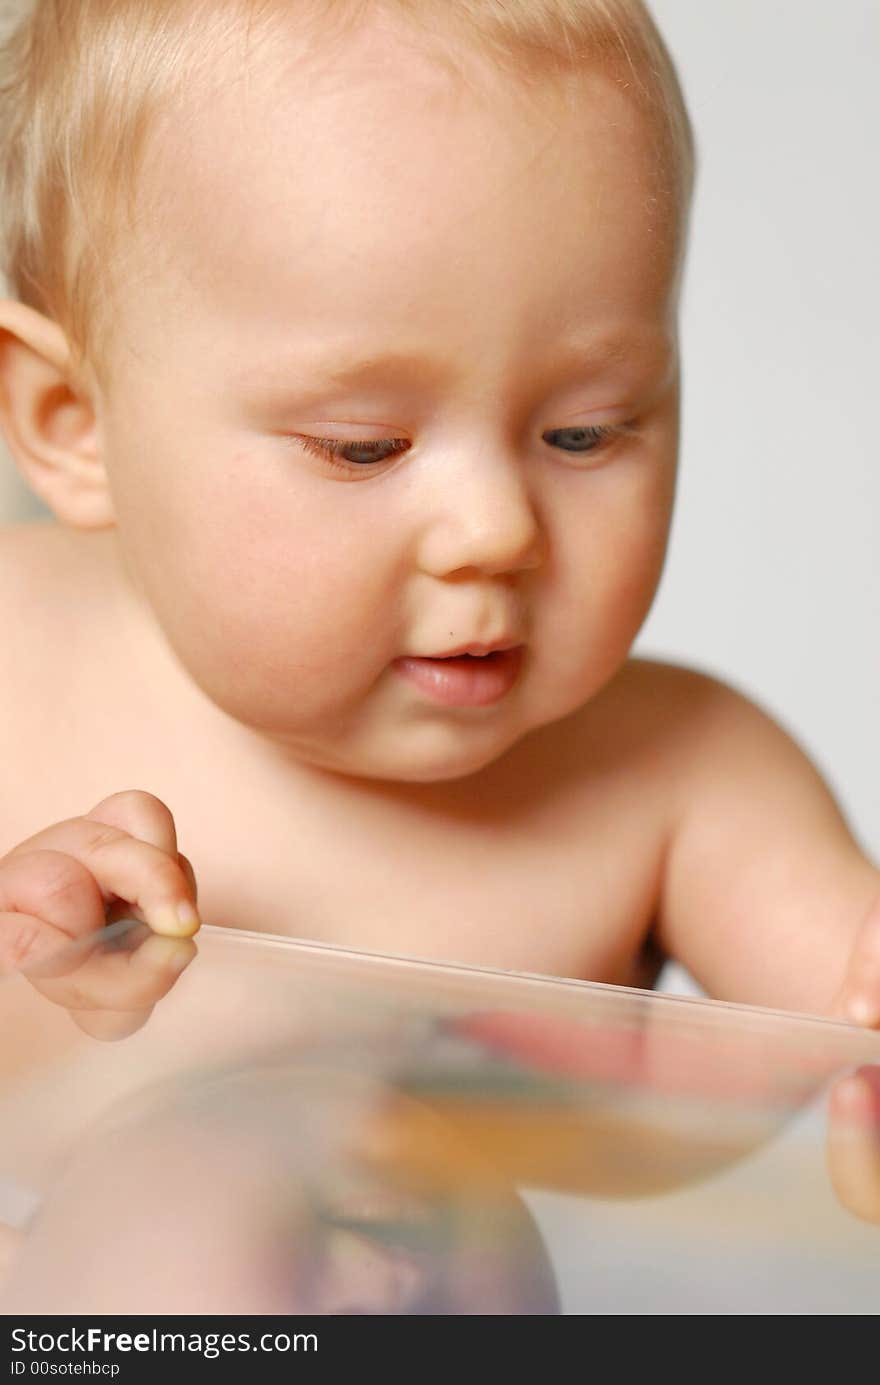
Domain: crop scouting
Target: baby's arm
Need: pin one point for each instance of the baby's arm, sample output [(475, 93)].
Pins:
[(61, 887), (767, 898)]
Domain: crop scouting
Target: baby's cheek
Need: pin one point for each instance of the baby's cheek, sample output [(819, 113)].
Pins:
[(633, 584), (617, 567), (276, 641), (270, 670), (588, 622)]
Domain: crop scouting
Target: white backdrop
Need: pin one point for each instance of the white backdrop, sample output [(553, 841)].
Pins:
[(772, 580)]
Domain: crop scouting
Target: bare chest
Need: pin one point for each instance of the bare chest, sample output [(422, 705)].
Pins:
[(565, 886)]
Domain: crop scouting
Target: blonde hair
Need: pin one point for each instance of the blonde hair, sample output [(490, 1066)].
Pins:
[(83, 81)]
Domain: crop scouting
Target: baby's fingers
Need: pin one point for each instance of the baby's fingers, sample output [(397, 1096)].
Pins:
[(53, 909), (154, 885), (854, 1143), (25, 941), (118, 982), (858, 999), (76, 975), (132, 981), (127, 844)]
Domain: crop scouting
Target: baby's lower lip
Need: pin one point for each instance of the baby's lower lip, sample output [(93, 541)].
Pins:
[(466, 681)]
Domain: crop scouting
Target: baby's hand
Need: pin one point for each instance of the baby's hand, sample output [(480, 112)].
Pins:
[(854, 1143), (70, 880), (854, 1110), (858, 999)]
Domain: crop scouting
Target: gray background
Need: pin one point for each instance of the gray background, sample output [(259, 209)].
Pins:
[(772, 581)]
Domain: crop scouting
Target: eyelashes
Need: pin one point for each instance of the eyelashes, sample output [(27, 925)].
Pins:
[(586, 441), (329, 449), (590, 439)]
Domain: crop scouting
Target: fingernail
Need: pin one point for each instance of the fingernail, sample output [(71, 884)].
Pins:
[(861, 1010), (188, 916), (175, 922)]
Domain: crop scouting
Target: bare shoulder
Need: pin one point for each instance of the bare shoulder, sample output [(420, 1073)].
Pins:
[(655, 710), (730, 738), (716, 738), (695, 711), (764, 882), (638, 742), (660, 686), (687, 736)]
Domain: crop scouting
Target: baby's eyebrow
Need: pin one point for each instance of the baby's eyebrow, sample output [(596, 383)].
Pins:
[(331, 368), (315, 369), (591, 351)]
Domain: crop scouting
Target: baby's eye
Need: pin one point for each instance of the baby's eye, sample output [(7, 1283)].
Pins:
[(584, 439), (335, 451)]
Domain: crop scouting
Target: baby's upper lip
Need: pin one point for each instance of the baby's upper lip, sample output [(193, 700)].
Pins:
[(479, 650)]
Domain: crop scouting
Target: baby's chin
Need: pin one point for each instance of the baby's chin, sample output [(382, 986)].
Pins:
[(415, 755)]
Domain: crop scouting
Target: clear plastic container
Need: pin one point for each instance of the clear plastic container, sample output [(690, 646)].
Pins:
[(305, 1129)]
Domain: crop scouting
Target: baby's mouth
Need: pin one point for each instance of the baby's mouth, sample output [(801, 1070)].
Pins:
[(465, 679), (384, 1253)]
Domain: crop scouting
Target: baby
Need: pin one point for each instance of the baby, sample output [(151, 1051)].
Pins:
[(344, 350)]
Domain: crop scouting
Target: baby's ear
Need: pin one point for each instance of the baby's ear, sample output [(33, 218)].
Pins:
[(49, 423)]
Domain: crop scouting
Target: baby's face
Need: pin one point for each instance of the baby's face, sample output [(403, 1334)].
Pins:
[(300, 1189), (469, 292)]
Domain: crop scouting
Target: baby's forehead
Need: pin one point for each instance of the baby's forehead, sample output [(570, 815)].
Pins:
[(279, 186), (381, 101)]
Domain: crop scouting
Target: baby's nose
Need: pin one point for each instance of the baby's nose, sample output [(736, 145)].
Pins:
[(484, 518)]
